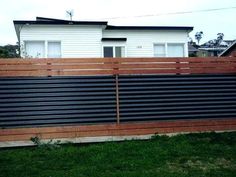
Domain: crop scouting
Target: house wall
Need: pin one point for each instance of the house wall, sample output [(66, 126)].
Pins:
[(85, 41), (232, 52), (140, 43), (76, 41)]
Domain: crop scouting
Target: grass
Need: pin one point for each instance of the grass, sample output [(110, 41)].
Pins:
[(192, 155)]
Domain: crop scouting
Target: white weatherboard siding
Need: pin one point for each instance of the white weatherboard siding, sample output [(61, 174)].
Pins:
[(84, 41), (140, 43), (76, 40)]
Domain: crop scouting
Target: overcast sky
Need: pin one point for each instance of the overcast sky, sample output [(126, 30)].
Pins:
[(210, 23)]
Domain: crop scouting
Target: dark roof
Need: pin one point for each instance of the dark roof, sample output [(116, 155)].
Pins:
[(48, 19), (114, 39), (192, 48), (109, 27), (53, 21), (226, 51)]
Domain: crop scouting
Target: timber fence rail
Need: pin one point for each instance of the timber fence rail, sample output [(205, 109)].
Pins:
[(87, 97)]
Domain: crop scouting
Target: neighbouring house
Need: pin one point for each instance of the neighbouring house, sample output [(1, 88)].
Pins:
[(209, 49), (54, 38), (192, 50), (230, 51)]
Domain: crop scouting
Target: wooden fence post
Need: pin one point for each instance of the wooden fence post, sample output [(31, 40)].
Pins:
[(117, 100), (49, 74)]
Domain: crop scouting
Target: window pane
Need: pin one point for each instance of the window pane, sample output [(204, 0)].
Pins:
[(122, 51), (108, 51), (159, 50), (34, 49), (118, 51), (54, 50), (175, 50)]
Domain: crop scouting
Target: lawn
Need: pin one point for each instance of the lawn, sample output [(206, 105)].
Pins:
[(192, 155)]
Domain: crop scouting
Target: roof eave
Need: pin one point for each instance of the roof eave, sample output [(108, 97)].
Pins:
[(114, 39), (44, 22), (188, 28)]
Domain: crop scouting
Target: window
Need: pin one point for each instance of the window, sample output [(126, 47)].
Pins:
[(169, 50), (159, 50), (175, 50), (113, 51), (119, 51), (108, 51), (54, 50), (34, 49)]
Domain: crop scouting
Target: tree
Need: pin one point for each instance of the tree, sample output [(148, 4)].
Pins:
[(219, 39), (216, 42), (9, 51), (198, 36)]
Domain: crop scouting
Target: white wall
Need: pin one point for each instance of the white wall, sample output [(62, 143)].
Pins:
[(140, 43), (76, 41), (85, 41)]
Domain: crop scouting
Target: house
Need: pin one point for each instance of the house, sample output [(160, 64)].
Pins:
[(192, 50), (213, 49), (230, 51), (206, 50), (54, 38)]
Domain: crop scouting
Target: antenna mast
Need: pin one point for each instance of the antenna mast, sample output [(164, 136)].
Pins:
[(70, 13)]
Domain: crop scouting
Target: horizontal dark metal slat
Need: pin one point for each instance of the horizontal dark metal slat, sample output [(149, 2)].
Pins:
[(134, 92), (193, 95), (176, 112), (122, 93), (38, 86), (176, 107), (55, 103), (50, 90), (56, 94), (59, 107), (207, 82), (70, 98), (57, 116), (3, 115), (163, 104), (55, 121), (176, 99), (177, 117), (131, 97), (177, 87)]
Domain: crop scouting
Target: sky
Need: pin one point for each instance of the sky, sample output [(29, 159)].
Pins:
[(131, 12)]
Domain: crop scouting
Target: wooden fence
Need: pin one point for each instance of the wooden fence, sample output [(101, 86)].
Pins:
[(61, 98), (113, 66)]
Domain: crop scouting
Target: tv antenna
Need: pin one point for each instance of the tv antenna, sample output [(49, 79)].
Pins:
[(70, 13)]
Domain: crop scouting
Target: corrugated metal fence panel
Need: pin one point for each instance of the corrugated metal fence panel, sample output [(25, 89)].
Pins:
[(158, 97), (39, 101), (43, 101)]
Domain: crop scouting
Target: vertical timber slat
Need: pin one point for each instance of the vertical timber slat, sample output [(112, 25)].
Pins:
[(117, 100)]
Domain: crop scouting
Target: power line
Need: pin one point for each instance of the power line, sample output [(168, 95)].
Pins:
[(171, 13)]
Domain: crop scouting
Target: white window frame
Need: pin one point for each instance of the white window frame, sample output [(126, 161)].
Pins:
[(166, 47), (46, 46), (173, 43), (160, 43), (24, 44), (113, 45)]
